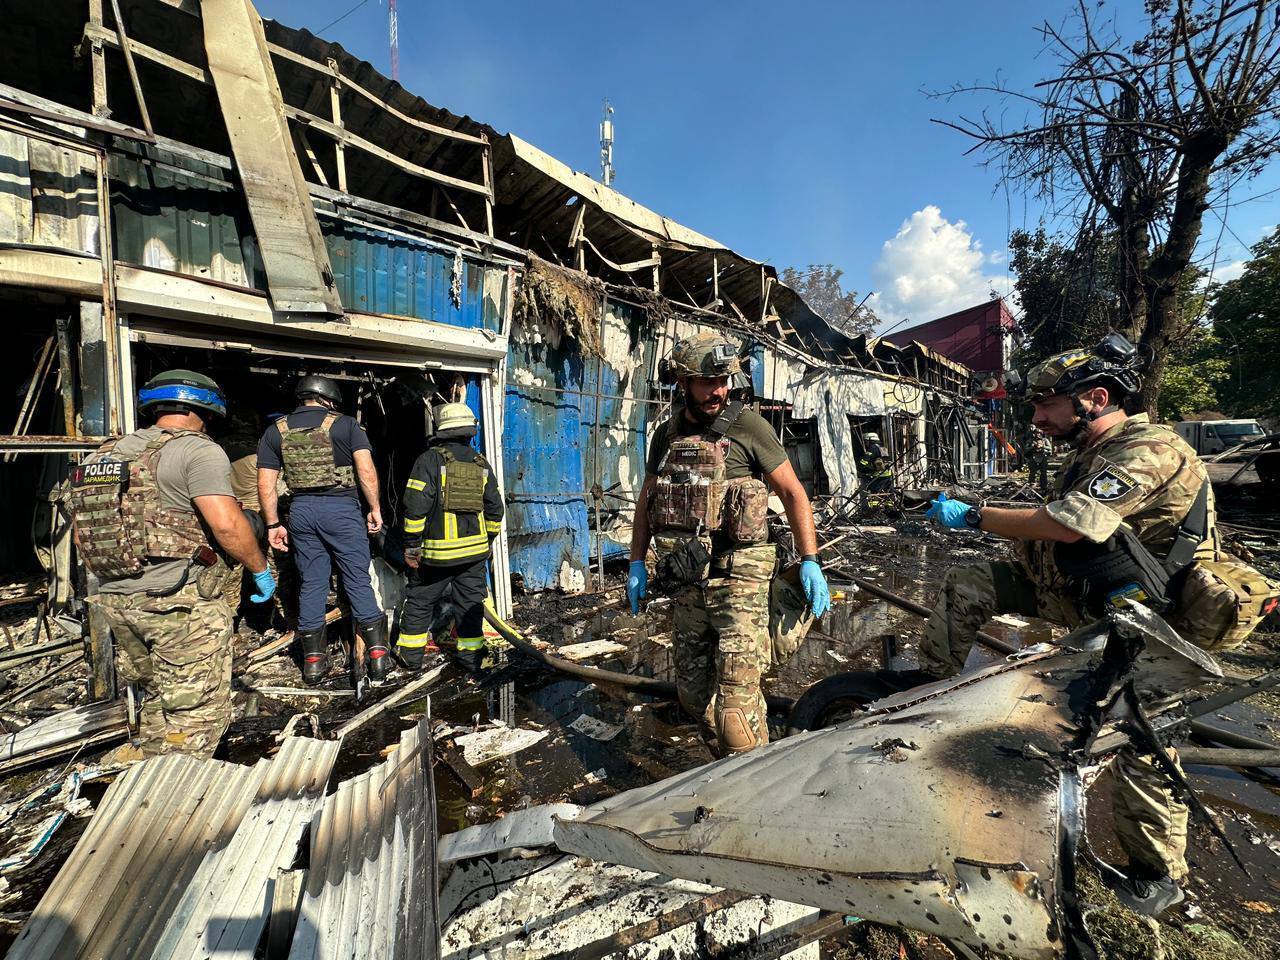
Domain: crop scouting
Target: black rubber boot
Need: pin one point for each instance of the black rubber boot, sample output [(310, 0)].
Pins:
[(377, 654), (315, 656), (412, 657)]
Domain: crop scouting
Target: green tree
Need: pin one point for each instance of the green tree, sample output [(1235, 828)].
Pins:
[(1190, 379), (1141, 135), (1067, 290), (1246, 318), (819, 287)]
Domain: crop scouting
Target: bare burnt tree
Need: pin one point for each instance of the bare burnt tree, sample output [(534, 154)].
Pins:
[(1142, 137)]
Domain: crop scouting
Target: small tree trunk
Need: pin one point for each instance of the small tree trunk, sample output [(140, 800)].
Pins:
[(1164, 322)]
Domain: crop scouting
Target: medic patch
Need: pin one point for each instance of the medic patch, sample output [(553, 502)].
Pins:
[(1111, 483), (100, 473)]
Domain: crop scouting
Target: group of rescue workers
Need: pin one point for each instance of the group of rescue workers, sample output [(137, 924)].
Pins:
[(1130, 516)]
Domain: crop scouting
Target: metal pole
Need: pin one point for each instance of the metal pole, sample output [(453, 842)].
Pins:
[(597, 497)]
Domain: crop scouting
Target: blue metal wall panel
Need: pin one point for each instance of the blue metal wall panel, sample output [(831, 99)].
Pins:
[(380, 272), (549, 451), (543, 463)]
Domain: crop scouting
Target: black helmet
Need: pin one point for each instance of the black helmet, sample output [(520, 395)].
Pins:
[(1114, 360), (321, 387), (178, 391)]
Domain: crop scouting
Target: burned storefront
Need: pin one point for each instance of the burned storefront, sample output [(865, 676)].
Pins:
[(142, 227)]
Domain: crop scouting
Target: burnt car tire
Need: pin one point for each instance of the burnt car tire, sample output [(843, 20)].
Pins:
[(836, 699)]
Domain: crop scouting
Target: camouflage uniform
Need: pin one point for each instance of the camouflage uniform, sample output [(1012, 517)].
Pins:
[(721, 646), (1147, 477), (178, 648)]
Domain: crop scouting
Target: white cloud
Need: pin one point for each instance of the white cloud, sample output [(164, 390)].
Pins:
[(933, 267), (1228, 271)]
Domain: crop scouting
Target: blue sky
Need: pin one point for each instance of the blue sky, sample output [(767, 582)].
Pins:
[(793, 133)]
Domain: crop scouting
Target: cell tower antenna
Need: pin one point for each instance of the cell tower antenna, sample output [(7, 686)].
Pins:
[(606, 144), (393, 33)]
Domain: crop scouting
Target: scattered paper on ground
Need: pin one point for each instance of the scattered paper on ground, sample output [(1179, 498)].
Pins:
[(596, 729), (489, 745)]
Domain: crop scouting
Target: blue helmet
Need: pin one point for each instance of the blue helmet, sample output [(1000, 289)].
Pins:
[(182, 390)]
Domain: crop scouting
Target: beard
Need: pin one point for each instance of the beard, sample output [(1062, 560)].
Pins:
[(706, 412)]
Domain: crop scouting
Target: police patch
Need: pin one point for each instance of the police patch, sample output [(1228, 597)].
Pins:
[(1110, 484)]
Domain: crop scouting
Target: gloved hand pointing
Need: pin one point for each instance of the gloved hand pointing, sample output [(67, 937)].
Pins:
[(815, 587), (266, 585), (637, 584), (949, 513)]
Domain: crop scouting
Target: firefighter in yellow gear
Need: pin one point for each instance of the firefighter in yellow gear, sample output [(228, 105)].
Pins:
[(452, 513)]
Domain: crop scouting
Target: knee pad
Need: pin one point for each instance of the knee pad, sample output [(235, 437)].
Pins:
[(734, 731)]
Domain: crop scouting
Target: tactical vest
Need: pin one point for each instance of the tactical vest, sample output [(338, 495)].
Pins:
[(120, 518), (458, 531), (693, 496), (308, 457)]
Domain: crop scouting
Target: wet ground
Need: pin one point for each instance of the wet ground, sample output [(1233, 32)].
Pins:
[(654, 740)]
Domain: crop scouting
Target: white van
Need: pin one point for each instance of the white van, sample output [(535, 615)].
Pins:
[(1214, 436)]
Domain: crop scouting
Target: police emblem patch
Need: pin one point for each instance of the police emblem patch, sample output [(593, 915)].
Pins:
[(1110, 484)]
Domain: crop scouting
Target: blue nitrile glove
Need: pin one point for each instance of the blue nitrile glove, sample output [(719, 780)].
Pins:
[(815, 587), (949, 513), (637, 584), (266, 585)]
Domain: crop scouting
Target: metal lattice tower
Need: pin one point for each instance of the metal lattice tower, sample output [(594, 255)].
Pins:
[(393, 32)]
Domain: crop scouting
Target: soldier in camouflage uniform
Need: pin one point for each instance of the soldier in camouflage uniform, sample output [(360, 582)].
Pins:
[(149, 510), (703, 505), (1123, 470)]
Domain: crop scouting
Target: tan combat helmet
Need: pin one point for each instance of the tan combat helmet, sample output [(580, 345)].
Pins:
[(704, 354), (1114, 359), (454, 416)]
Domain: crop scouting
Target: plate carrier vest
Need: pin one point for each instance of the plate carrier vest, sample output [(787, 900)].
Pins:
[(693, 495), (119, 514), (308, 457)]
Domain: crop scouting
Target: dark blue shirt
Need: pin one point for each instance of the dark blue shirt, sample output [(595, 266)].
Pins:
[(346, 435)]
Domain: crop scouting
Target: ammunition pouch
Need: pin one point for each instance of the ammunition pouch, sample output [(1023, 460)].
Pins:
[(746, 511), (684, 560), (1222, 602), (1108, 573)]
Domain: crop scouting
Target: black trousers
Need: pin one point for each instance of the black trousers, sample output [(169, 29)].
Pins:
[(437, 595)]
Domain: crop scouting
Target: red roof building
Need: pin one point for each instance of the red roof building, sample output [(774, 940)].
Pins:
[(977, 337)]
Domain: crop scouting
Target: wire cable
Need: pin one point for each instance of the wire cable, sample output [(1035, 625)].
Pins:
[(334, 23)]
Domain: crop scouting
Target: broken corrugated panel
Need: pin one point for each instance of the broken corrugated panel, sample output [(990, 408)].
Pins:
[(63, 730), (164, 218), (299, 277), (152, 836), (380, 272), (221, 914), (938, 810), (371, 885), (48, 194)]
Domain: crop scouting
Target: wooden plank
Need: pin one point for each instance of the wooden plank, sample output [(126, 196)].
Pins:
[(348, 138), (132, 48), (132, 68), (98, 62), (299, 275), (471, 778), (311, 155), (335, 108)]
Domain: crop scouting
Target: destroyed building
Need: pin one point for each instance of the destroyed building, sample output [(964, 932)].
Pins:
[(160, 170)]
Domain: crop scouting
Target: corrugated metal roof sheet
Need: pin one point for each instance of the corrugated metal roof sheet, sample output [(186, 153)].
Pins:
[(100, 722), (371, 885), (158, 841)]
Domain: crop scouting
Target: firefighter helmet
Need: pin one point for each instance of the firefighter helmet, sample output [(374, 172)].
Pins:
[(454, 416)]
